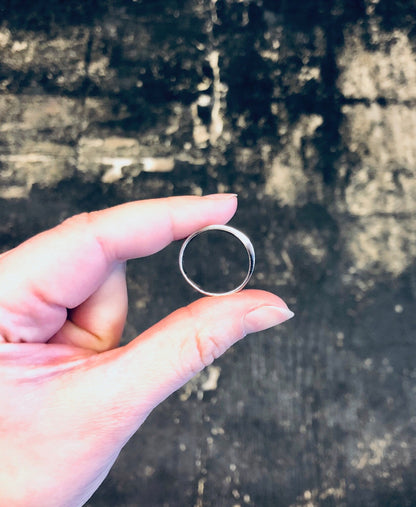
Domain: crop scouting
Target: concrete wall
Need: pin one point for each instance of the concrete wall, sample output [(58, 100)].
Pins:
[(307, 111)]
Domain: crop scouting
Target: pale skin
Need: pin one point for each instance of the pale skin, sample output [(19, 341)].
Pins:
[(70, 397)]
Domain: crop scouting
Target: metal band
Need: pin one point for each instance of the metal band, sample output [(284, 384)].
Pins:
[(241, 237)]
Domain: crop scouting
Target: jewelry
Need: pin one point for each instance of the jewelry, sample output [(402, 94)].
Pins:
[(240, 236)]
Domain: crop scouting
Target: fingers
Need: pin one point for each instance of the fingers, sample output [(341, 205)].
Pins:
[(166, 356), (67, 263), (97, 324), (62, 267)]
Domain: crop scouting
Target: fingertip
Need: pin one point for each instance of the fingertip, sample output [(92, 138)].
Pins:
[(221, 197), (265, 317), (227, 202), (265, 297), (191, 213), (245, 299)]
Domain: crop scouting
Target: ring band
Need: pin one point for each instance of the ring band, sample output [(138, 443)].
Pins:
[(236, 233)]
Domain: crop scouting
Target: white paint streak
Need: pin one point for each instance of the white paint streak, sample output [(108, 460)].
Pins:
[(217, 123), (211, 383)]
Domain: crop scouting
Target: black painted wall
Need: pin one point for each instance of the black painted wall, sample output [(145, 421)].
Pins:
[(307, 111)]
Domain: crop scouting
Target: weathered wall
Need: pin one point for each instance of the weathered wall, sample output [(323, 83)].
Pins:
[(308, 111)]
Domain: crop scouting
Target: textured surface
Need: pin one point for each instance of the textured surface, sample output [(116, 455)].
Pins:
[(308, 111)]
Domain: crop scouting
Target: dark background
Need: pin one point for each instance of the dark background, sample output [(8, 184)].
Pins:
[(307, 111)]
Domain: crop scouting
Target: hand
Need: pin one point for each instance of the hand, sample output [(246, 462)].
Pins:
[(69, 399)]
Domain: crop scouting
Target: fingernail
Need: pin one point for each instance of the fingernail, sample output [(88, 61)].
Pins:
[(265, 317), (219, 197)]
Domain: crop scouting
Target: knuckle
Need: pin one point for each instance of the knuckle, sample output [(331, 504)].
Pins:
[(206, 345), (80, 220), (84, 223)]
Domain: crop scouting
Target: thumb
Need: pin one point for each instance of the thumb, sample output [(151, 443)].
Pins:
[(167, 355)]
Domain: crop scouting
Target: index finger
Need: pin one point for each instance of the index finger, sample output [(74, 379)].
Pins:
[(65, 265)]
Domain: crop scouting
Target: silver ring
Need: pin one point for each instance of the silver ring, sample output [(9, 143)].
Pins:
[(240, 236)]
